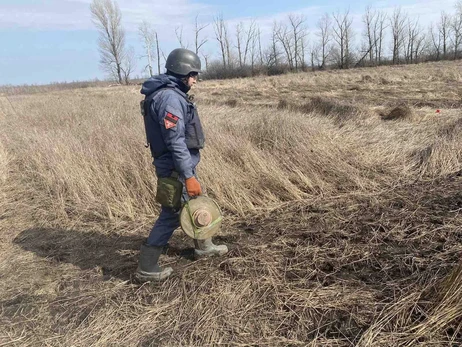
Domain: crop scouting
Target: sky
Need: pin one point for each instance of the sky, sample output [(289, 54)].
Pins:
[(45, 41)]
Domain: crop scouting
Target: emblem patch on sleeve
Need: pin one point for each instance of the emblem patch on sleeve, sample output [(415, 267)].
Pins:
[(170, 121)]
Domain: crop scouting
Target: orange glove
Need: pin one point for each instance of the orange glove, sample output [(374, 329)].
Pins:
[(193, 187)]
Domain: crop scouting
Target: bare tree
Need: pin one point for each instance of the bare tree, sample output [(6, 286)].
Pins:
[(456, 27), (245, 39), (107, 18), (374, 22), (163, 55), (303, 43), (273, 53), (369, 19), (435, 36), (314, 55), (198, 42), (206, 59), (228, 46), (397, 22), (298, 34), (148, 36), (444, 28), (179, 36), (420, 45), (343, 34), (239, 43), (250, 41), (252, 51), (221, 34), (128, 64), (379, 32), (252, 44), (413, 31), (325, 36), (285, 38), (260, 51), (158, 54)]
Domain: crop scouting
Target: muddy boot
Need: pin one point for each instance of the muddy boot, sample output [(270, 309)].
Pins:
[(206, 248), (148, 269)]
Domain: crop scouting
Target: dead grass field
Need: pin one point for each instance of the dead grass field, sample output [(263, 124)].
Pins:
[(343, 199)]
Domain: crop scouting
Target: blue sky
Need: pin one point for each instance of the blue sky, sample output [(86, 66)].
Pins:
[(55, 40)]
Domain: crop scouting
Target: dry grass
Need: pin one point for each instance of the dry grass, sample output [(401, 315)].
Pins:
[(398, 112), (344, 229)]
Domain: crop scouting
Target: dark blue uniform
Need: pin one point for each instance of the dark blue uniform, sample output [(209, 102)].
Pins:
[(175, 136)]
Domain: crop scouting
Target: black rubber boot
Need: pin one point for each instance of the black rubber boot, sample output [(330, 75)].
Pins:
[(148, 269)]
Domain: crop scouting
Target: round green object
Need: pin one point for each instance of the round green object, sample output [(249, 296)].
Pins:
[(201, 218)]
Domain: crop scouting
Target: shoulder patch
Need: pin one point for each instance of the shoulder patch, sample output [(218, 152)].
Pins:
[(170, 120)]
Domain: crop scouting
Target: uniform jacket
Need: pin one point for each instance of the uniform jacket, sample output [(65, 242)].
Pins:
[(173, 128)]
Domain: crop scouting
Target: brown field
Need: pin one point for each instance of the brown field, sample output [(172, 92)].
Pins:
[(343, 199)]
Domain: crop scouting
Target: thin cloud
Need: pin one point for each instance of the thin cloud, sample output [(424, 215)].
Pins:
[(75, 14)]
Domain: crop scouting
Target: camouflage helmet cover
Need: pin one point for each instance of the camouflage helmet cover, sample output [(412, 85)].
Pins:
[(183, 61)]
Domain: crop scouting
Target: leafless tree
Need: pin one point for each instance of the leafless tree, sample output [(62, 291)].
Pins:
[(456, 27), (419, 44), (128, 64), (260, 50), (375, 26), (303, 43), (239, 43), (254, 45), (435, 36), (369, 19), (398, 27), (107, 18), (324, 33), (413, 31), (228, 46), (199, 42), (444, 28), (206, 59), (148, 36), (253, 52), (343, 35), (285, 38), (314, 56), (379, 32), (246, 42), (250, 41), (158, 54), (297, 23), (179, 36), (221, 34), (163, 55), (273, 54)]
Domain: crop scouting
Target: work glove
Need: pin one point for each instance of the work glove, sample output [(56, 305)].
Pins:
[(193, 187)]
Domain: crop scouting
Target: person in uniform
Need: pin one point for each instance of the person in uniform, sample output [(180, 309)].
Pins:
[(175, 136)]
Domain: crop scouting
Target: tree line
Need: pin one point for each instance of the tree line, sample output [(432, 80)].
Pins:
[(395, 38)]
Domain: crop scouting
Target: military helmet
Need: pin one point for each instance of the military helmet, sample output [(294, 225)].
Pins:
[(182, 62)]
